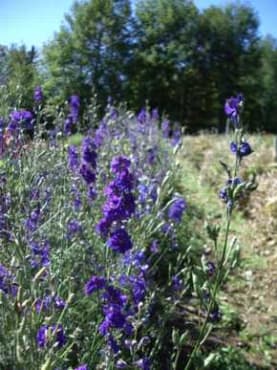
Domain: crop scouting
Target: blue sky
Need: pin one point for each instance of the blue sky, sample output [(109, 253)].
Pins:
[(34, 22)]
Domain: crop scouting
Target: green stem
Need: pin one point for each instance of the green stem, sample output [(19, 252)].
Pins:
[(216, 286)]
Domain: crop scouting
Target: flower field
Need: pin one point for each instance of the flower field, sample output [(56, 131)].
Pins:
[(109, 260)]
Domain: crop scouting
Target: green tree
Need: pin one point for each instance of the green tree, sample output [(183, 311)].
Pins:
[(91, 50), (161, 68), (3, 65), (229, 57), (184, 62), (18, 77), (22, 75), (187, 63), (269, 84)]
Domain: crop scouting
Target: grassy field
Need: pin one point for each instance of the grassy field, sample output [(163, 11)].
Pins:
[(248, 303)]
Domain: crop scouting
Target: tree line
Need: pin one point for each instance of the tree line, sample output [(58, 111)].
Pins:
[(164, 53)]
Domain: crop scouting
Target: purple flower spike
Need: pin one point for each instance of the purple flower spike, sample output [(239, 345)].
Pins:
[(233, 147), (103, 227), (245, 149), (89, 153), (38, 95), (165, 128), (87, 174), (74, 104), (74, 227), (120, 164), (73, 157), (7, 281), (114, 316), (68, 125), (45, 333), (142, 116), (95, 283), (59, 303), (232, 108), (143, 364), (120, 241), (121, 364), (82, 367), (176, 210)]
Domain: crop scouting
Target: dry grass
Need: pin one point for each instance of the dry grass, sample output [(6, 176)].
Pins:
[(253, 288)]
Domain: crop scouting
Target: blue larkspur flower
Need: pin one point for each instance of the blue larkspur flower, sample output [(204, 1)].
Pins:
[(142, 116), (73, 227), (114, 295), (91, 193), (234, 181), (47, 333), (38, 94), (165, 128), (59, 303), (138, 288), (7, 281), (119, 208), (176, 210), (103, 227), (124, 182), (210, 268), (43, 304), (143, 363), (114, 316), (223, 194), (76, 195), (245, 149), (40, 253), (120, 163), (82, 367), (49, 302), (113, 344), (87, 174), (74, 105), (119, 241), (151, 155), (121, 364), (233, 147), (143, 193), (155, 114), (176, 136), (68, 125), (94, 284), (242, 150), (21, 116), (73, 158), (215, 315), (232, 106), (32, 221), (100, 134), (89, 154)]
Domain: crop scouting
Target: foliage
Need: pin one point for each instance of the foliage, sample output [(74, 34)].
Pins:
[(19, 76), (68, 289), (269, 79), (101, 262), (180, 60), (166, 52), (91, 51)]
